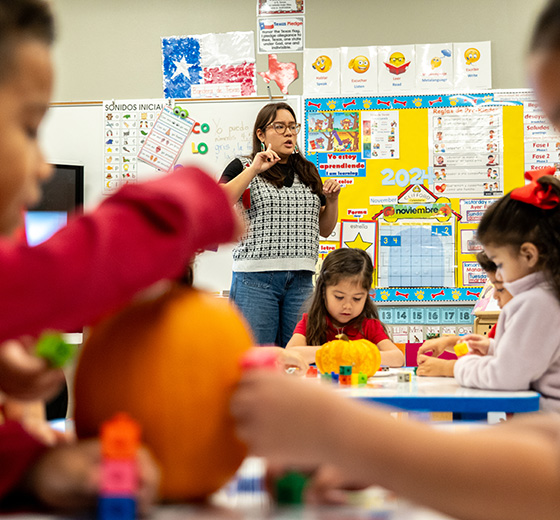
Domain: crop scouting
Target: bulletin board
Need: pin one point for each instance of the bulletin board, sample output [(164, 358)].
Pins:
[(417, 173)]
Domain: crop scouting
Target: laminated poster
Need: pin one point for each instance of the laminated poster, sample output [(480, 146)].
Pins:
[(396, 68), (380, 134), (209, 65), (542, 143), (434, 66), (466, 146), (358, 69), (166, 139), (269, 7), (126, 125), (280, 34), (473, 65), (321, 71)]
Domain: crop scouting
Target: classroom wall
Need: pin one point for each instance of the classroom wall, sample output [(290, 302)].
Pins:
[(110, 49)]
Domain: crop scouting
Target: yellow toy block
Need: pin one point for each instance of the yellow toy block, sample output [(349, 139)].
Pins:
[(461, 349)]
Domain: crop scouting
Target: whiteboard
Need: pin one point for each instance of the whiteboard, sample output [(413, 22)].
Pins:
[(73, 133)]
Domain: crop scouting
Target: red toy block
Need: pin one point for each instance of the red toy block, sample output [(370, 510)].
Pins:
[(345, 380), (311, 372), (120, 437), (119, 477)]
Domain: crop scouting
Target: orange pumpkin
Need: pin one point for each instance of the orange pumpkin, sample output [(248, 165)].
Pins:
[(361, 354), (172, 364)]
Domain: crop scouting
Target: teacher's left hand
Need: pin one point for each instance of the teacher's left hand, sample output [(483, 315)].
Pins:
[(331, 189)]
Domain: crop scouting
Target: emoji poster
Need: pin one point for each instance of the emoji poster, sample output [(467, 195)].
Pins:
[(358, 70), (321, 71), (434, 66), (396, 67), (473, 65)]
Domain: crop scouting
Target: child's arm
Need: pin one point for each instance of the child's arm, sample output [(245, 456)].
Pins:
[(487, 474), (298, 343), (435, 367), (437, 345), (143, 233), (391, 355), (287, 359)]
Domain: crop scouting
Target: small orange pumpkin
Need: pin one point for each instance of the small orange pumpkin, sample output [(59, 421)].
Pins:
[(361, 354), (172, 364)]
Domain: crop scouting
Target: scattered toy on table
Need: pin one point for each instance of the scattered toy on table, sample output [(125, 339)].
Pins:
[(403, 377), (311, 372)]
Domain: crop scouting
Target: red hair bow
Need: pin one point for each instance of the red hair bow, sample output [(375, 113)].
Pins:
[(541, 196)]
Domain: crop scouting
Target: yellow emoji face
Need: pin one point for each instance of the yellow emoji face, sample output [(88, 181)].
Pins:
[(359, 64), (472, 55), (396, 59), (322, 64), (436, 62)]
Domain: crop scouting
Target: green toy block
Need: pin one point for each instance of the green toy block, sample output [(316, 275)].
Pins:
[(362, 378), (54, 349), (289, 488), (345, 370)]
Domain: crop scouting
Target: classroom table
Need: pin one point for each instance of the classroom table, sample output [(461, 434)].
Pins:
[(440, 394)]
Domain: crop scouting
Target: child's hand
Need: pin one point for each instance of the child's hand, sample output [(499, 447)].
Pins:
[(25, 376), (32, 416), (67, 477), (435, 367), (270, 407), (478, 344), (292, 361), (436, 346)]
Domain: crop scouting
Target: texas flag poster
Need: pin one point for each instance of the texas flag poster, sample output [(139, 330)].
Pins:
[(209, 65)]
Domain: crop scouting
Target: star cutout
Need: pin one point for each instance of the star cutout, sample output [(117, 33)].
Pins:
[(358, 243), (182, 67)]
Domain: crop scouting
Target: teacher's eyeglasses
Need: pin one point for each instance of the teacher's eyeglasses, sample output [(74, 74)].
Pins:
[(280, 128)]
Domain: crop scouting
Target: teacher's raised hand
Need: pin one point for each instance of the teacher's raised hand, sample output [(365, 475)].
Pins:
[(265, 159), (331, 189)]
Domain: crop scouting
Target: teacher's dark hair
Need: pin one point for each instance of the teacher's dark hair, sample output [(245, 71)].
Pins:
[(306, 171)]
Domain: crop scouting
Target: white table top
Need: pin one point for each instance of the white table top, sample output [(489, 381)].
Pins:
[(440, 394)]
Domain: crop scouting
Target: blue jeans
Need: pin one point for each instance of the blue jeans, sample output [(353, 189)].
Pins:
[(271, 302)]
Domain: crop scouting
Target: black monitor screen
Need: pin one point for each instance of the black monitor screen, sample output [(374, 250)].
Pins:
[(63, 195)]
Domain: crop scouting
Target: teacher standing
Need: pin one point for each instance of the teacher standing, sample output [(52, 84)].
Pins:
[(287, 207)]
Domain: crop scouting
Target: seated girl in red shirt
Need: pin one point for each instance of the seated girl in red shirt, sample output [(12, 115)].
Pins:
[(341, 305)]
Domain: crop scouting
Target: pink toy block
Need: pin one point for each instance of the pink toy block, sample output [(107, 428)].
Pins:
[(119, 477), (259, 359)]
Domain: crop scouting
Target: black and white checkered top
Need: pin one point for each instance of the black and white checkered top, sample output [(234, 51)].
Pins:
[(283, 225)]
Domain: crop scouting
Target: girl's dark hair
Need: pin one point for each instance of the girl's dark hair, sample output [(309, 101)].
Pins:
[(20, 20), (305, 170), (510, 222), (486, 263), (546, 33), (338, 265)]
